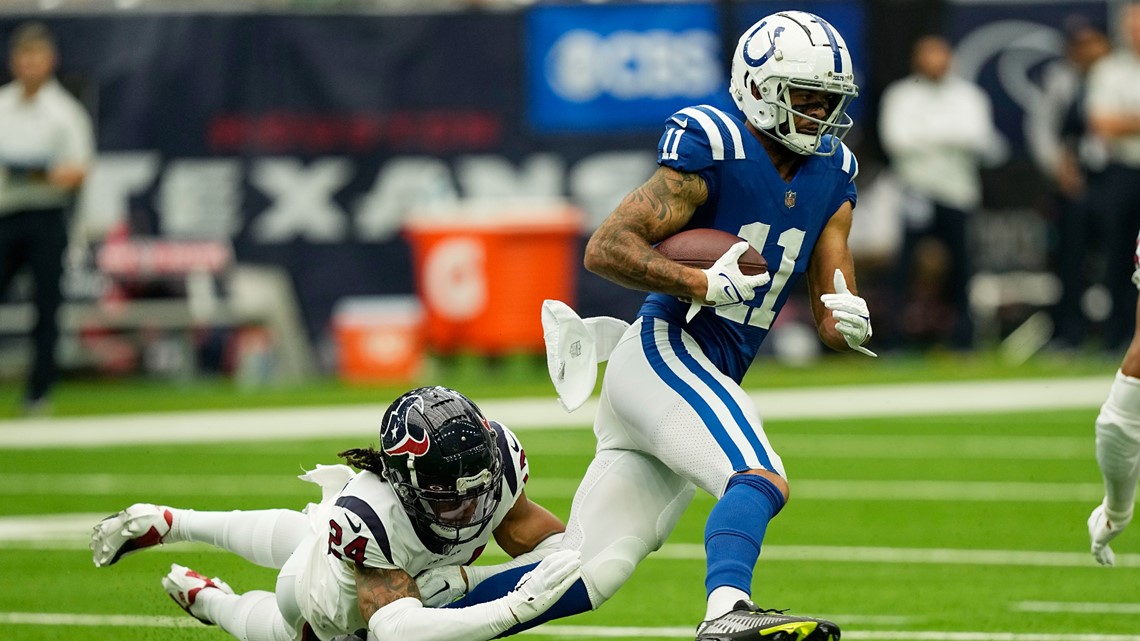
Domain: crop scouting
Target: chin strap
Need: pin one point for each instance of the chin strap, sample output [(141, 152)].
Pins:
[(574, 347)]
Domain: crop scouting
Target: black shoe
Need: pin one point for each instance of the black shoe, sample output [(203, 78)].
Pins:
[(748, 622)]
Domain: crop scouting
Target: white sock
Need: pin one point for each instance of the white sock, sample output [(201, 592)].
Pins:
[(264, 537), (723, 600), (1118, 448), (252, 616)]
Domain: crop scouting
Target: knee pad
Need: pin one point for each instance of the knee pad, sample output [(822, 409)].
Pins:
[(608, 569), (611, 567)]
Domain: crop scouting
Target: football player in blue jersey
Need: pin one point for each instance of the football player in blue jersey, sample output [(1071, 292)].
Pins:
[(672, 414)]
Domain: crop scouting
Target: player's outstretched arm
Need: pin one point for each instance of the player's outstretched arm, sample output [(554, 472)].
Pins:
[(528, 532), (407, 619), (621, 249)]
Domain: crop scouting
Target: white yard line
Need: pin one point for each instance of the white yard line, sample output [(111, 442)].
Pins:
[(848, 401), (62, 619), (917, 445), (96, 620), (72, 531), (935, 635), (890, 555), (860, 635), (1076, 607)]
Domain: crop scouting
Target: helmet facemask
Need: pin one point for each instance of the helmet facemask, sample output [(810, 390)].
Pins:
[(836, 122), (452, 513)]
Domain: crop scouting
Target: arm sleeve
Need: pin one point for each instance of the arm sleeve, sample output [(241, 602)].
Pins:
[(476, 574), (685, 145), (408, 620), (695, 140)]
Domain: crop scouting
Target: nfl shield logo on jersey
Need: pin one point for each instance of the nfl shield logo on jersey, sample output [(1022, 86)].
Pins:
[(789, 199)]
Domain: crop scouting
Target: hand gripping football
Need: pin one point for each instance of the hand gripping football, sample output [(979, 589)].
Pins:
[(702, 247)]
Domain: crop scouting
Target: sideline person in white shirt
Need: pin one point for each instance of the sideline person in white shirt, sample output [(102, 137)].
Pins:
[(1114, 116), (936, 128), (46, 146)]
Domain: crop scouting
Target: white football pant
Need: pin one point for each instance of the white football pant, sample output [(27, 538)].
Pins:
[(1118, 447), (265, 537), (668, 420)]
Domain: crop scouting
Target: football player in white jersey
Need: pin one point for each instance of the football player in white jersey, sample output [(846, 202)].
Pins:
[(672, 414), (443, 481), (1118, 445)]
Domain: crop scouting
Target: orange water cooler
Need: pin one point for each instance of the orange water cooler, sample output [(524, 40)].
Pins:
[(379, 339), (483, 272)]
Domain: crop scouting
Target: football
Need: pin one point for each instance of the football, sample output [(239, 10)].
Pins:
[(701, 248)]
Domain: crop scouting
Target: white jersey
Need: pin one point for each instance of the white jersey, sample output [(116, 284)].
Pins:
[(365, 523)]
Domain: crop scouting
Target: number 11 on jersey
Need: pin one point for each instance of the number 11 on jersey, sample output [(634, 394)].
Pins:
[(762, 315)]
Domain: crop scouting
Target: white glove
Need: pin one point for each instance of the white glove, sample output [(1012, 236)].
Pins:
[(727, 286), (440, 586), (541, 588), (852, 319)]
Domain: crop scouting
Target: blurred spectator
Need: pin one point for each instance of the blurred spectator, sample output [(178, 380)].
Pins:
[(46, 144), (935, 129), (1114, 116), (1074, 162)]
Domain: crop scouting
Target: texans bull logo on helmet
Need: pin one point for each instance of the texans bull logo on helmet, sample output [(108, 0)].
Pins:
[(401, 437)]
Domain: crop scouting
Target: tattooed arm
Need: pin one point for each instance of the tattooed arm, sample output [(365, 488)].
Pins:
[(621, 249), (390, 602), (377, 587)]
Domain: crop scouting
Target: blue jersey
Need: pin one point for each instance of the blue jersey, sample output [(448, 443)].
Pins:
[(747, 197)]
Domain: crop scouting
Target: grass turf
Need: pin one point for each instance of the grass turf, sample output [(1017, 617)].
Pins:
[(814, 563), (525, 375)]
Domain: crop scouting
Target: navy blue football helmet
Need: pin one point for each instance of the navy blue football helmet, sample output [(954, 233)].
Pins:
[(440, 456)]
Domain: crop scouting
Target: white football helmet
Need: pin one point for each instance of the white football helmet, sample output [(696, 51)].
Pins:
[(793, 50)]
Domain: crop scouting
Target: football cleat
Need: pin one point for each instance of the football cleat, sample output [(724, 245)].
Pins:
[(1101, 531), (748, 622), (140, 526), (183, 585)]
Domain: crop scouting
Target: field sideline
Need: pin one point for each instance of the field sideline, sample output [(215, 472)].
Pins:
[(958, 509)]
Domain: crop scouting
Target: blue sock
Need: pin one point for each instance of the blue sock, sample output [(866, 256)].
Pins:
[(493, 587), (735, 530), (575, 601)]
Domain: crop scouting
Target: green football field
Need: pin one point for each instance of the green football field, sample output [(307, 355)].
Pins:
[(956, 528)]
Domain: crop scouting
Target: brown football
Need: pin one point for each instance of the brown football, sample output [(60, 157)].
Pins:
[(702, 247)]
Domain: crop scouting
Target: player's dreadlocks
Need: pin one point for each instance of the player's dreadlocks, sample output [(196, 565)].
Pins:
[(364, 459)]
